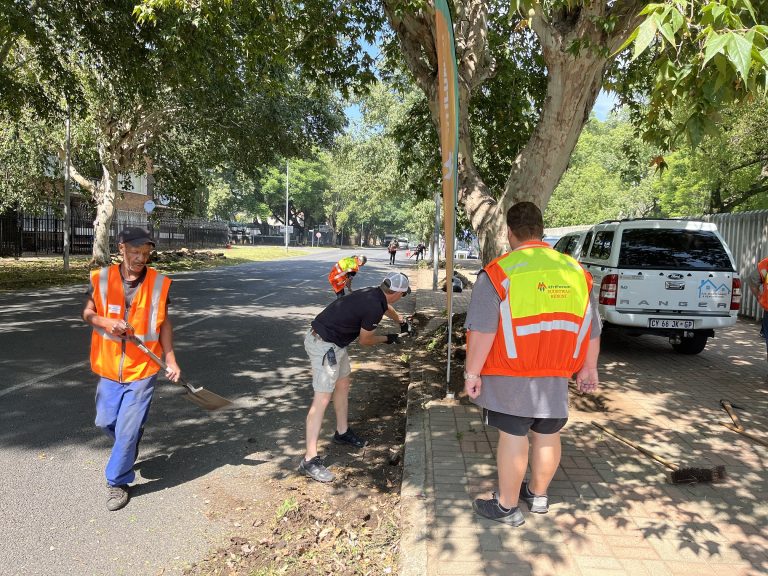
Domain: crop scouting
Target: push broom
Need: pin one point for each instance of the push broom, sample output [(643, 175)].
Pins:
[(678, 474)]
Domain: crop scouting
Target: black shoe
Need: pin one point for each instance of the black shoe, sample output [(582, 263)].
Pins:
[(492, 510), (117, 497), (314, 469), (536, 504), (349, 437)]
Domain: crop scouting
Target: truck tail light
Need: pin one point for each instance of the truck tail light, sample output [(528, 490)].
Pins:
[(608, 288), (736, 294)]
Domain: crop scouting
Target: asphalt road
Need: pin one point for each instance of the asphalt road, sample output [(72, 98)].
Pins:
[(238, 332)]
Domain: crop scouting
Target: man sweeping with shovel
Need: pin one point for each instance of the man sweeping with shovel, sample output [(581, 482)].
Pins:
[(127, 296)]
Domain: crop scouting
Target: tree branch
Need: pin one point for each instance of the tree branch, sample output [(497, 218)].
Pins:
[(744, 196), (471, 31), (748, 163), (5, 48), (417, 42), (82, 181)]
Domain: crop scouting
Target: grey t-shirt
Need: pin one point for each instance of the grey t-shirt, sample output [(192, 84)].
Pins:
[(541, 397)]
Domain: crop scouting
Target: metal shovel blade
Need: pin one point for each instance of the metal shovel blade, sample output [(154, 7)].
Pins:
[(206, 399)]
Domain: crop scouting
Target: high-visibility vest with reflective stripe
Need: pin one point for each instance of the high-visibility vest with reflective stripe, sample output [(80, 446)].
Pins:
[(338, 274), (762, 268), (545, 313), (113, 357)]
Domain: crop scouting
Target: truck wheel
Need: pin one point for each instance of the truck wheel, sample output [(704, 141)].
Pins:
[(690, 345)]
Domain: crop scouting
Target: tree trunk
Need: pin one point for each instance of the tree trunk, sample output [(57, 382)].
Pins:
[(574, 80), (105, 211)]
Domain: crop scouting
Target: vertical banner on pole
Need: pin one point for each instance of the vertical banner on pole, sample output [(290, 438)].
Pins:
[(448, 94)]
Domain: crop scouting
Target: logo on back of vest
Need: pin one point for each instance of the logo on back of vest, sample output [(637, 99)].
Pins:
[(554, 291), (113, 309)]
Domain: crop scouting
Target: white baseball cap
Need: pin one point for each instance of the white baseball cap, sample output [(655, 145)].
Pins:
[(397, 282)]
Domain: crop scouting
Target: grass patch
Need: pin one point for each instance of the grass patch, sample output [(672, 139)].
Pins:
[(34, 273), (46, 272), (288, 505)]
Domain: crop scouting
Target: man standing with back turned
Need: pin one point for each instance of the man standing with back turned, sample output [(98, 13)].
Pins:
[(123, 297), (531, 325)]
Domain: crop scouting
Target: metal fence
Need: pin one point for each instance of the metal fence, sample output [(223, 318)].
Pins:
[(746, 234), (43, 233)]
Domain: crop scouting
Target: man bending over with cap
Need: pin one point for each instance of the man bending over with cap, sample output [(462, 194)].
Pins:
[(354, 317), (122, 297)]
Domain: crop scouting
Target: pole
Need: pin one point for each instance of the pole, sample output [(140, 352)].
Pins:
[(436, 250), (361, 234), (67, 160), (449, 286), (286, 205)]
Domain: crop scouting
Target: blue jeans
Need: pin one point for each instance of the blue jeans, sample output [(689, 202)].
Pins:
[(121, 410)]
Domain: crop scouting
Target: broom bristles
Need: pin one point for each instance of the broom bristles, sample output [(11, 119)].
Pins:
[(698, 475)]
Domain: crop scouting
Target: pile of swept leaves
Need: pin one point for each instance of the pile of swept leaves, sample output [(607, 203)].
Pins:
[(308, 535)]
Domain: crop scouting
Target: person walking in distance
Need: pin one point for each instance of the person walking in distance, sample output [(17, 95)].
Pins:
[(342, 273), (531, 325), (127, 298), (758, 285), (392, 251), (420, 249), (354, 317)]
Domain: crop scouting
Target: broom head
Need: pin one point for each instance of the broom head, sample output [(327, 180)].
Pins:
[(698, 475)]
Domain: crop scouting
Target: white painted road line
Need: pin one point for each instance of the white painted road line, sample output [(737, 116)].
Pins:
[(63, 369)]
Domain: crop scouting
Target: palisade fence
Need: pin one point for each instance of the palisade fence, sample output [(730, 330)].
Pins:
[(746, 234), (43, 233)]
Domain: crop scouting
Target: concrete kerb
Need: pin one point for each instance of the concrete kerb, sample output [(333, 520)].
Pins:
[(414, 492)]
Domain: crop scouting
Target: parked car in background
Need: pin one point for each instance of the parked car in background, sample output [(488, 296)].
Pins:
[(672, 278), (551, 240), (387, 239), (571, 243), (402, 243)]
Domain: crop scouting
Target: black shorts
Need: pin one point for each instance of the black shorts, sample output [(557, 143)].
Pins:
[(519, 425)]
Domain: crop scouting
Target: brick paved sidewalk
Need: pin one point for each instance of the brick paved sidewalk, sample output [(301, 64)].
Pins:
[(613, 510)]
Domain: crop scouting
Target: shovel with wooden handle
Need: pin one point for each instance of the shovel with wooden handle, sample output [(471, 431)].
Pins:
[(204, 398)]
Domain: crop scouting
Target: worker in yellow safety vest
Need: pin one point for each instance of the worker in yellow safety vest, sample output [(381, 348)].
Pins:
[(342, 273), (532, 323)]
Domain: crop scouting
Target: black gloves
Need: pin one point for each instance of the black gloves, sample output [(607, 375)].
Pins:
[(393, 338)]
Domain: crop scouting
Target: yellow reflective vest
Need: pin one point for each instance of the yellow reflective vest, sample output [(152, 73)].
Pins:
[(545, 314)]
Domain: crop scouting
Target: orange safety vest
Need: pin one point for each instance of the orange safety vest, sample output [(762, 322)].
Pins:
[(762, 268), (546, 317), (115, 358), (338, 274)]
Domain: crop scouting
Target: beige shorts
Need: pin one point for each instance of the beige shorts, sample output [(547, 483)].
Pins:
[(324, 376)]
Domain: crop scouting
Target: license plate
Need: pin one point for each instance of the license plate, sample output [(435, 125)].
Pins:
[(663, 323)]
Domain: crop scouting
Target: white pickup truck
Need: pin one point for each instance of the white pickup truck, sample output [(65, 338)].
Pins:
[(673, 278)]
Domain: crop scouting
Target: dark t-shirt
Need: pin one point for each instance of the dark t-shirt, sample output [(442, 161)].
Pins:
[(341, 321)]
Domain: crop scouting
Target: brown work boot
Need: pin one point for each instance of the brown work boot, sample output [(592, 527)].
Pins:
[(117, 497)]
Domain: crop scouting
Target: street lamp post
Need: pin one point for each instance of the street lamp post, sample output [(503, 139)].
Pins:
[(286, 206)]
